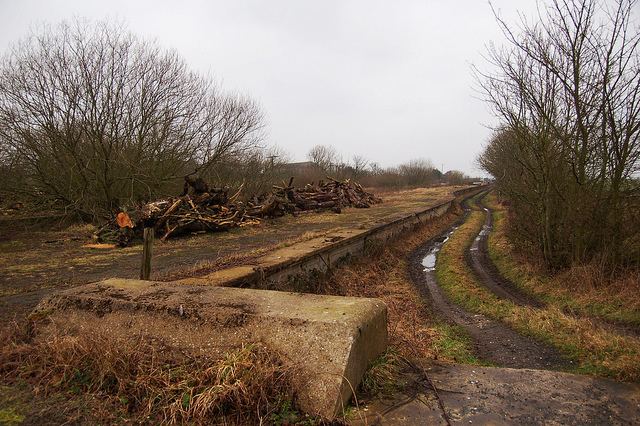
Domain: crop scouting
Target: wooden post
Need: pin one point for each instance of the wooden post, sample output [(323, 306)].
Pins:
[(147, 252)]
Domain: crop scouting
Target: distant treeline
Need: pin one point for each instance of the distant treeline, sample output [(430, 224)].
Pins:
[(326, 160)]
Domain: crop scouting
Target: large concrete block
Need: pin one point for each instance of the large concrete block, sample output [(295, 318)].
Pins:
[(331, 339)]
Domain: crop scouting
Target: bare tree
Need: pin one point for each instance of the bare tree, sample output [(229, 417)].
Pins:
[(455, 177), (98, 116), (325, 156), (360, 165), (256, 171), (419, 172)]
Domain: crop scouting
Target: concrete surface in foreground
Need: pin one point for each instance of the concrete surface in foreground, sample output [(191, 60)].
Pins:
[(329, 339), (496, 396)]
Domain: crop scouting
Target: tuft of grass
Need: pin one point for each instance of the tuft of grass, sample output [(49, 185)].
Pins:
[(9, 416), (596, 349), (288, 415), (85, 229), (453, 343), (147, 379), (382, 375)]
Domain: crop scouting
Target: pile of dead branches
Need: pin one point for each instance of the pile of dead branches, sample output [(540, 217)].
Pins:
[(214, 210), (331, 195), (196, 213), (208, 212)]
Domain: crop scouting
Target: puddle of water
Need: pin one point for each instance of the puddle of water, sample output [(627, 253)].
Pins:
[(486, 229), (429, 261)]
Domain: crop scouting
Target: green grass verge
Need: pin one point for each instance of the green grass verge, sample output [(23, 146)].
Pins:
[(454, 344), (8, 416)]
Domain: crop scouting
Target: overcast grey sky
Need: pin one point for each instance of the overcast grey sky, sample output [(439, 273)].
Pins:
[(387, 80)]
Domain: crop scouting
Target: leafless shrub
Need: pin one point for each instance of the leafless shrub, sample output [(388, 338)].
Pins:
[(96, 117), (326, 157), (414, 173), (566, 89), (257, 170)]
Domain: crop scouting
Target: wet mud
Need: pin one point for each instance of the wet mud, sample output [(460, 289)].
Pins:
[(486, 272), (503, 396)]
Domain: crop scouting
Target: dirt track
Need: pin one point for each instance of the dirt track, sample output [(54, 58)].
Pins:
[(525, 393), (487, 273), (494, 342)]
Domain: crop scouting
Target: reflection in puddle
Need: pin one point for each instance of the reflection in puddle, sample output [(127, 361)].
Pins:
[(429, 261)]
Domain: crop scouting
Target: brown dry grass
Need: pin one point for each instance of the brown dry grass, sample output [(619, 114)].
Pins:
[(137, 379), (236, 259), (382, 376), (142, 379), (393, 195), (55, 259)]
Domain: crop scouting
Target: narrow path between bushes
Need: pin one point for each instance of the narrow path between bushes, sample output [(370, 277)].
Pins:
[(477, 291), (487, 273), (494, 342)]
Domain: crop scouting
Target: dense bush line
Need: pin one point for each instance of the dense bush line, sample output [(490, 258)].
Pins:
[(567, 155)]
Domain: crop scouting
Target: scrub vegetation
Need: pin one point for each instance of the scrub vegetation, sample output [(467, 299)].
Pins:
[(414, 330), (565, 159), (585, 290), (566, 155), (95, 120)]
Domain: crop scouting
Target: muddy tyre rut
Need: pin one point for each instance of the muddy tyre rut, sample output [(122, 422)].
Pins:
[(494, 342), (477, 257)]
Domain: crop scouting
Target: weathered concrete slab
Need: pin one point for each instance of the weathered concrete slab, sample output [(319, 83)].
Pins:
[(507, 396), (331, 339)]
